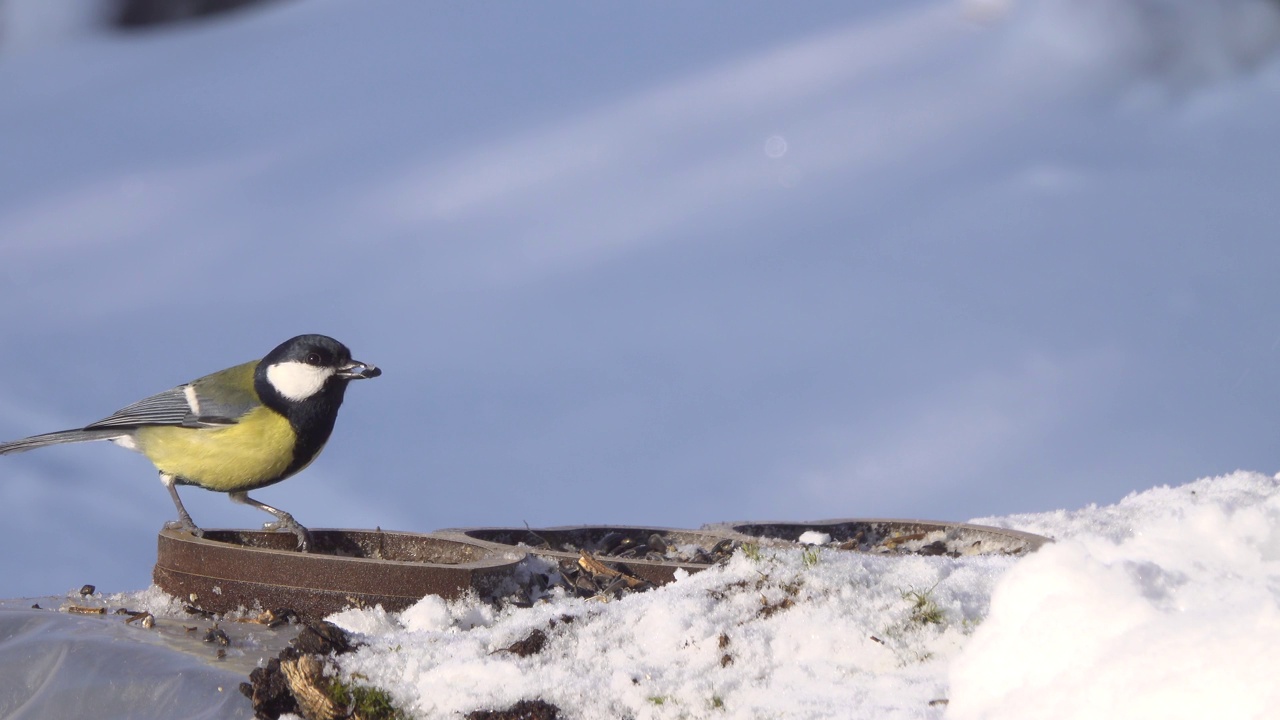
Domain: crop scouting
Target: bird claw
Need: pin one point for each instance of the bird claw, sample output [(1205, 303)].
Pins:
[(287, 523), (185, 525)]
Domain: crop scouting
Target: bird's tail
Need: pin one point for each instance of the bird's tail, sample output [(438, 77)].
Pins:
[(57, 438)]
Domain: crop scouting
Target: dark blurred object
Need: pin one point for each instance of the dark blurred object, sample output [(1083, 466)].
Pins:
[(147, 13)]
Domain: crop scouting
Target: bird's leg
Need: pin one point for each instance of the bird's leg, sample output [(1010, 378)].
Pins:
[(284, 521), (184, 520)]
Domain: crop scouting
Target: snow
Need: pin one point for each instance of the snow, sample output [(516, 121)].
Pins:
[(1163, 605), (813, 537), (1166, 604)]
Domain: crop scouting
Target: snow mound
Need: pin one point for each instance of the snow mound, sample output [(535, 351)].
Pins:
[(1177, 617), (1163, 605)]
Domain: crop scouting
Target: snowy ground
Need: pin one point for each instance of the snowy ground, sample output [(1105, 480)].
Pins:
[(1164, 605)]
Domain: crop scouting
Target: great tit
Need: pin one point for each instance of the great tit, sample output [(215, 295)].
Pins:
[(236, 430)]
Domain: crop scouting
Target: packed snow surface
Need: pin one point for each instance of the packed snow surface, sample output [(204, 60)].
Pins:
[(1164, 605)]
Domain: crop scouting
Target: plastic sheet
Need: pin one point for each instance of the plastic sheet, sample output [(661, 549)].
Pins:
[(60, 665)]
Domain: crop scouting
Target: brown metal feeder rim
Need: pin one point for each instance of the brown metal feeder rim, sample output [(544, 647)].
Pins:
[(504, 555), (572, 528), (462, 534), (1034, 542), (578, 528), (231, 569)]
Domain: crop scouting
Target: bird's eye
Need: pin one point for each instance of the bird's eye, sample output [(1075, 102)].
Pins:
[(313, 358)]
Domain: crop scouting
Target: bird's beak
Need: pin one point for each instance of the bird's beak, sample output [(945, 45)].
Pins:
[(358, 371)]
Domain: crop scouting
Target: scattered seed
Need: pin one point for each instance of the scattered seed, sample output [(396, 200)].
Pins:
[(530, 645), (147, 619), (202, 614), (86, 610), (216, 634)]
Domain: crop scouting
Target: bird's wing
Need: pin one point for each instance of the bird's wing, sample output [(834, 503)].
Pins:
[(226, 396), (195, 404), (167, 408)]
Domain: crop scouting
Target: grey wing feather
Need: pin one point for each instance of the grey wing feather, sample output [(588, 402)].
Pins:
[(167, 408), (55, 438), (220, 399), (172, 407)]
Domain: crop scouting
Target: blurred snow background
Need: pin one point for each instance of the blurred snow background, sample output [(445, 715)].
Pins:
[(654, 264)]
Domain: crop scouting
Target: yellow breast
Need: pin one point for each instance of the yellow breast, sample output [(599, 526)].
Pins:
[(250, 454)]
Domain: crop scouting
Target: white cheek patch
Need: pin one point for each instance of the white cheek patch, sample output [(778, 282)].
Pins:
[(298, 381)]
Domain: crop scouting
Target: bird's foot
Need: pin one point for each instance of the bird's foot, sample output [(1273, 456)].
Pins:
[(186, 525), (284, 522)]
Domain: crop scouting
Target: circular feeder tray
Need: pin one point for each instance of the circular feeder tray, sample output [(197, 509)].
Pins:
[(690, 550), (892, 537), (229, 569)]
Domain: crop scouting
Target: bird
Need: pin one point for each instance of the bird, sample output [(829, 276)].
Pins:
[(235, 430)]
